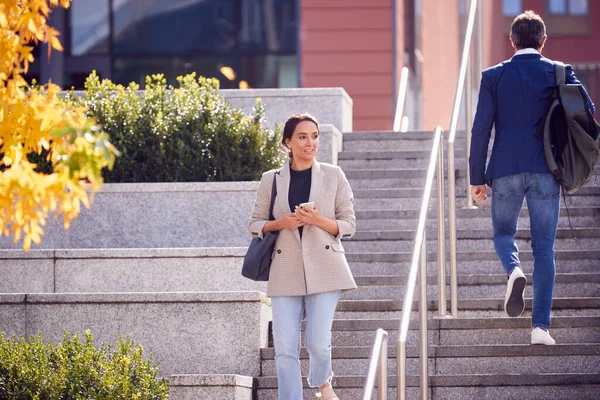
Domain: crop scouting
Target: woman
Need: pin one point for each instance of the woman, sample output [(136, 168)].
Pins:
[(309, 270)]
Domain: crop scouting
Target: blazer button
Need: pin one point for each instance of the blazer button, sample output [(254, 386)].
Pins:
[(327, 247), (278, 251)]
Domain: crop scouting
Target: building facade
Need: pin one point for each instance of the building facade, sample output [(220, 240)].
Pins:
[(360, 45)]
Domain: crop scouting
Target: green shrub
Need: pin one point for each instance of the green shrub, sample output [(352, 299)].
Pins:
[(32, 370), (184, 134)]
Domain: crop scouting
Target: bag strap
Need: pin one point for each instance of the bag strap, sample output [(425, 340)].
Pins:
[(273, 195), (559, 72)]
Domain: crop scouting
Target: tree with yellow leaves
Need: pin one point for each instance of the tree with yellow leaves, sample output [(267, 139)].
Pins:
[(35, 120)]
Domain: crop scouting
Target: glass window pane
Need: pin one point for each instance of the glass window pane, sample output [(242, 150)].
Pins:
[(578, 7), (557, 6), (270, 71), (127, 70), (174, 26), (89, 22), (270, 25), (512, 8)]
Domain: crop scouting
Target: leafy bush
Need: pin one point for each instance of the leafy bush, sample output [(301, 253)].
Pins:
[(184, 134), (32, 370)]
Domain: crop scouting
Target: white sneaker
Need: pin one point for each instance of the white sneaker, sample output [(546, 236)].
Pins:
[(540, 336), (513, 302)]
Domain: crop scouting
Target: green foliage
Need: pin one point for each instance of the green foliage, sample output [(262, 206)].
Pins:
[(188, 133), (75, 370)]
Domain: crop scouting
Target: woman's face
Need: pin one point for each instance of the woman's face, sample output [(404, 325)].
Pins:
[(304, 142)]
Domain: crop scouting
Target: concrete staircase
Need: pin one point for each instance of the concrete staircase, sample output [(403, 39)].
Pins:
[(483, 354)]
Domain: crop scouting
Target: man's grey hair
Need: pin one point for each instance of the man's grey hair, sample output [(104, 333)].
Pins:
[(528, 30)]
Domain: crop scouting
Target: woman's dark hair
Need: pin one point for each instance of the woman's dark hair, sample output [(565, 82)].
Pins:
[(528, 30), (291, 124)]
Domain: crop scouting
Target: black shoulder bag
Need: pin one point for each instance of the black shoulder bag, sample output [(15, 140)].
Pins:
[(257, 261)]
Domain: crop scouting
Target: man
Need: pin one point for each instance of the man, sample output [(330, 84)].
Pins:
[(514, 98)]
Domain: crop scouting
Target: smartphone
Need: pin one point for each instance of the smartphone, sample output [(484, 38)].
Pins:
[(309, 205)]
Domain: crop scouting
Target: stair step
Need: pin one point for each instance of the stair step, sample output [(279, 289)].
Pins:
[(466, 304), (467, 225), (464, 387), (463, 245), (371, 213), (471, 359), (415, 203), (524, 255), (491, 265), (409, 234)]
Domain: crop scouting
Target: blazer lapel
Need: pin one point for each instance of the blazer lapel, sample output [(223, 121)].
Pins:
[(316, 180), (283, 189)]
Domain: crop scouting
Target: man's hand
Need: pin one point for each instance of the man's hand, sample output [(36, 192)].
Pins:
[(479, 193)]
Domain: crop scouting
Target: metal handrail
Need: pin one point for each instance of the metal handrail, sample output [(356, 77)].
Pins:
[(401, 99), (451, 173), (378, 358), (419, 258)]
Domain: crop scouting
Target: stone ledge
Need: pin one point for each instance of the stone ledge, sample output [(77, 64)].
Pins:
[(125, 253), (210, 380), (288, 92), (174, 187), (12, 254), (176, 297)]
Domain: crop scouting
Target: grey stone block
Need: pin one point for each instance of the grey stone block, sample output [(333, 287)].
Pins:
[(126, 270), (214, 387), (330, 144), (328, 105), (177, 271), (27, 275), (203, 333), (12, 314), (157, 215)]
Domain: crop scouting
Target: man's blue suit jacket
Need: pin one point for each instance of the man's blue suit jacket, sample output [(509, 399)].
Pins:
[(514, 97)]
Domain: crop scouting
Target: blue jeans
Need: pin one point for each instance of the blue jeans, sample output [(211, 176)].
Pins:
[(288, 311), (542, 192)]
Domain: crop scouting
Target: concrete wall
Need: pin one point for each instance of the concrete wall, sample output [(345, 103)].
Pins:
[(188, 333), (124, 270), (200, 214), (213, 387), (331, 105), (157, 215)]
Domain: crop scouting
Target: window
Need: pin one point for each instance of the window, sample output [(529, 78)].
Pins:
[(89, 23), (512, 8), (568, 7), (255, 39)]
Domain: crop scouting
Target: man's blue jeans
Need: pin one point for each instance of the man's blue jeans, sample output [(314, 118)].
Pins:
[(542, 192), (288, 311)]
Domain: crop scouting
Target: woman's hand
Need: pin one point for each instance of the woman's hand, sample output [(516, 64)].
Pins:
[(309, 216), (289, 221), (314, 217)]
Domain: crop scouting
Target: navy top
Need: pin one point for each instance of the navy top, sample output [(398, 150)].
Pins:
[(514, 98), (299, 189)]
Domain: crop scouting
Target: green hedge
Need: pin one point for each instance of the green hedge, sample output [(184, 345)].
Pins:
[(185, 134), (32, 370)]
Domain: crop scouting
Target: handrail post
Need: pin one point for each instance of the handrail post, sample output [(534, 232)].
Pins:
[(451, 169), (441, 237), (401, 369), (379, 359), (424, 381), (383, 374), (400, 99), (468, 125)]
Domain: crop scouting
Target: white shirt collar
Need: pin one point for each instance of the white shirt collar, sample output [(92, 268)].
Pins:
[(528, 50)]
